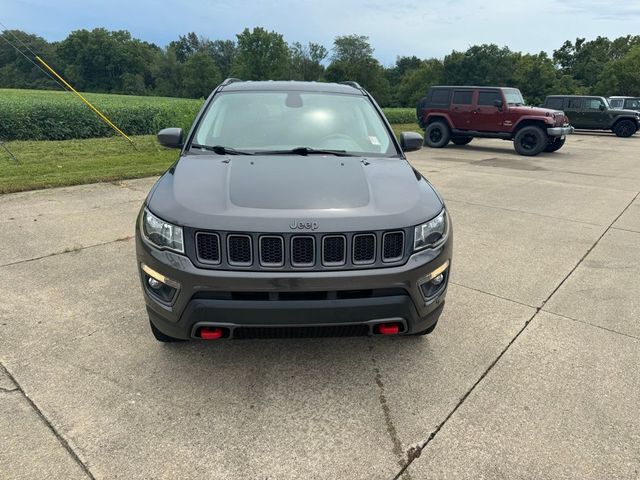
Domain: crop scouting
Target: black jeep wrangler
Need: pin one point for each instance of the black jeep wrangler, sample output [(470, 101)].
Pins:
[(595, 113)]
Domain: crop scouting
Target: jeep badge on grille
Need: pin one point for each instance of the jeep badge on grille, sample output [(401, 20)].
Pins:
[(304, 226)]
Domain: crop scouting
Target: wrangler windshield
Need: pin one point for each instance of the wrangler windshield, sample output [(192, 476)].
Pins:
[(513, 96), (292, 121)]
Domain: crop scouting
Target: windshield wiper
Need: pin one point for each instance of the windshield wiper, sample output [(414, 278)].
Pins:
[(307, 151), (220, 150)]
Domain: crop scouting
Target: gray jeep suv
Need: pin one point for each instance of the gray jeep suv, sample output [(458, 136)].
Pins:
[(292, 212)]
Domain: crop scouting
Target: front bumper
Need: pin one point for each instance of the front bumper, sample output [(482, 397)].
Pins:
[(242, 299), (560, 131)]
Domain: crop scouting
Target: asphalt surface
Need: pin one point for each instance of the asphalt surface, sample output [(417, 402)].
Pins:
[(531, 373)]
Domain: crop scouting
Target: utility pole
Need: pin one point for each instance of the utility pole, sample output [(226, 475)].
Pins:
[(6, 149)]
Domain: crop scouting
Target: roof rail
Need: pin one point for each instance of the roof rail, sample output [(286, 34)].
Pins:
[(351, 83), (231, 80)]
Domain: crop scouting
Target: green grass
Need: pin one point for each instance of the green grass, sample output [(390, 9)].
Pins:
[(73, 162)]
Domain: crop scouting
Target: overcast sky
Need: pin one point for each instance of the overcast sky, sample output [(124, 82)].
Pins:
[(426, 28)]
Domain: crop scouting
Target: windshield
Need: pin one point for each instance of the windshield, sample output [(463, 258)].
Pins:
[(513, 96), (274, 121)]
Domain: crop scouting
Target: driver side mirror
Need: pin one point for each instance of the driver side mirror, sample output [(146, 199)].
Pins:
[(170, 137), (498, 104), (410, 141), (602, 108)]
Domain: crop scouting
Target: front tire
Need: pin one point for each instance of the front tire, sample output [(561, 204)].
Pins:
[(624, 128), (461, 140), (555, 145), (530, 141), (437, 135), (161, 337)]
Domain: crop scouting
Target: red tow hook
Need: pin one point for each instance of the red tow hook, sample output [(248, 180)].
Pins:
[(388, 328), (211, 333)]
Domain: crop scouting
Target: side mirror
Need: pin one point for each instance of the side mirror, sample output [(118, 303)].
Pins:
[(498, 104), (602, 108), (170, 137), (410, 141)]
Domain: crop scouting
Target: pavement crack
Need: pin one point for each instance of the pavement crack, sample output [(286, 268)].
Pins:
[(386, 412), (491, 294), (416, 450), (67, 250), (63, 441)]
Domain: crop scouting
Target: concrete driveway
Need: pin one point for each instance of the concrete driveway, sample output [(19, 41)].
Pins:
[(531, 373)]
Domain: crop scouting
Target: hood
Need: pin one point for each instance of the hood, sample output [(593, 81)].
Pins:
[(538, 111), (268, 193)]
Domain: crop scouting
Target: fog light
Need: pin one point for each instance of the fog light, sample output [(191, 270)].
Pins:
[(433, 284), (160, 287)]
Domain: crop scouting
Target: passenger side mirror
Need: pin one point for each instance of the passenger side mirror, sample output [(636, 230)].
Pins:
[(410, 141), (602, 107), (170, 137), (498, 103)]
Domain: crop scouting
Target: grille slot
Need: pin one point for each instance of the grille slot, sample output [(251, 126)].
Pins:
[(271, 251), (239, 250), (302, 251), (334, 250), (301, 332), (392, 246), (364, 249), (208, 247)]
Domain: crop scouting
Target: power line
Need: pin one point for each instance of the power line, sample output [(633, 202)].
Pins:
[(7, 30), (25, 55)]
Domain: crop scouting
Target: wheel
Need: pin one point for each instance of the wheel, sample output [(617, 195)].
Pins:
[(436, 135), (461, 140), (555, 145), (530, 141), (624, 128), (426, 331), (161, 337)]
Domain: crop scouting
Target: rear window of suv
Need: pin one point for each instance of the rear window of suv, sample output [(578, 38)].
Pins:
[(441, 97)]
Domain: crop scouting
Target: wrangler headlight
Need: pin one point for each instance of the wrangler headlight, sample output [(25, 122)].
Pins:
[(160, 233), (432, 233)]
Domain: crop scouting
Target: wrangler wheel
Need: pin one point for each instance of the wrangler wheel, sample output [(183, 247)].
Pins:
[(624, 128), (555, 145), (461, 140), (437, 135), (530, 141)]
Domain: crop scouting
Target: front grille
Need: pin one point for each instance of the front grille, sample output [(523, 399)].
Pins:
[(302, 252), (333, 250), (271, 251), (289, 252), (392, 246), (364, 249), (301, 332), (239, 250), (208, 247)]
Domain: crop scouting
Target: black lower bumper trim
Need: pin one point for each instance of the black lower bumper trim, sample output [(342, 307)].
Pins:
[(301, 332)]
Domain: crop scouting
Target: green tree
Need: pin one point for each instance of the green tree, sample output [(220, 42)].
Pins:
[(480, 65), (223, 53), (416, 82), (352, 59), (261, 55), (200, 76), (306, 61), (18, 72), (621, 77), (535, 76)]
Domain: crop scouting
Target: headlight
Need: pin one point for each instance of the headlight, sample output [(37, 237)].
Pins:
[(433, 233), (161, 233)]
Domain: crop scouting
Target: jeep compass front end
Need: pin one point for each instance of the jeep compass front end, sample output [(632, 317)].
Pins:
[(291, 212)]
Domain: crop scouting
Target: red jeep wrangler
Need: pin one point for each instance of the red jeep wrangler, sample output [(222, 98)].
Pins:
[(461, 113)]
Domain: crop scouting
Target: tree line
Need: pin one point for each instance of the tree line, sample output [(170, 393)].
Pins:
[(191, 66)]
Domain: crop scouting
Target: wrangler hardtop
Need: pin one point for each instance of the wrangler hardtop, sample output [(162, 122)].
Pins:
[(461, 113)]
